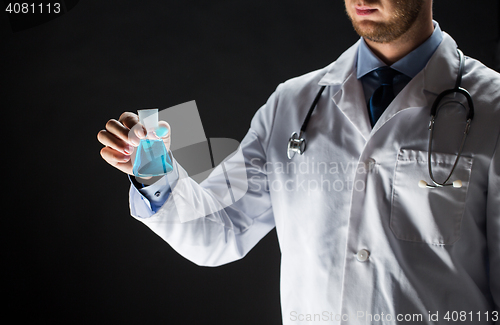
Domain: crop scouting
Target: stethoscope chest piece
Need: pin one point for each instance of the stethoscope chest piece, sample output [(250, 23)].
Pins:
[(296, 144)]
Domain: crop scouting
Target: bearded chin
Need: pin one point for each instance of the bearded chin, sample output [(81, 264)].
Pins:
[(380, 32), (405, 16)]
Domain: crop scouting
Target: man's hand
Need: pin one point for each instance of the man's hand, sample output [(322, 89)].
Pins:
[(121, 137)]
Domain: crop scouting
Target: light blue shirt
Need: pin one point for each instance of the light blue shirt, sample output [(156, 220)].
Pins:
[(409, 66), (147, 200)]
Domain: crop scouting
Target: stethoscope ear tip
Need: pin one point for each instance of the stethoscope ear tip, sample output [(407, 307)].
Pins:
[(456, 184), (422, 184)]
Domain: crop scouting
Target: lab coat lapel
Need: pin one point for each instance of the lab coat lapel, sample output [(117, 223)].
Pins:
[(438, 75), (348, 95), (347, 90)]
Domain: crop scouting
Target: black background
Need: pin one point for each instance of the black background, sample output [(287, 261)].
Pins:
[(71, 253)]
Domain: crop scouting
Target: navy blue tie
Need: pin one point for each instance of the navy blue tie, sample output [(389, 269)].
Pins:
[(384, 94)]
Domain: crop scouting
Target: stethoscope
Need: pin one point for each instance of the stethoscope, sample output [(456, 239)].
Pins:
[(297, 144)]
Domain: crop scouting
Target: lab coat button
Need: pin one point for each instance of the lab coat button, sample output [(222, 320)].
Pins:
[(157, 194), (362, 255)]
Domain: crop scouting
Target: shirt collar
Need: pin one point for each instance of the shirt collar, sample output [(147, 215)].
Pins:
[(409, 65)]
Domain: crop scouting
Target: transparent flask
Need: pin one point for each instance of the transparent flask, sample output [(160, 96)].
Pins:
[(151, 158)]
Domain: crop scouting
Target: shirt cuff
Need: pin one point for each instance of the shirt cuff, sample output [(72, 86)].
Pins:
[(146, 200), (156, 193)]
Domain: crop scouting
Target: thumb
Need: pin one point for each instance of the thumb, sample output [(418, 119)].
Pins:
[(163, 132)]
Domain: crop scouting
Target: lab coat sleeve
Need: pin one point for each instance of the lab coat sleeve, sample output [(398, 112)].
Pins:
[(219, 220), (493, 225)]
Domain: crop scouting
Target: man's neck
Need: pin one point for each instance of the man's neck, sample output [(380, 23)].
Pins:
[(393, 51)]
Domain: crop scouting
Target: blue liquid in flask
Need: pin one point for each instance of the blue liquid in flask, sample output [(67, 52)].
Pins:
[(151, 159)]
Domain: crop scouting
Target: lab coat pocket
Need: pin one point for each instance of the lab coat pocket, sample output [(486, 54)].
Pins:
[(428, 215)]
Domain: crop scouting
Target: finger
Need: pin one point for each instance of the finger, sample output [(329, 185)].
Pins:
[(117, 129), (117, 159), (110, 140), (137, 133), (131, 121), (121, 131)]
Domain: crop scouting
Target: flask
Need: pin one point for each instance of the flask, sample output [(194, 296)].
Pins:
[(151, 158)]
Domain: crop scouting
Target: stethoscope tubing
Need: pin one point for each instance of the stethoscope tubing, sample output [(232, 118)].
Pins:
[(297, 144), (434, 112)]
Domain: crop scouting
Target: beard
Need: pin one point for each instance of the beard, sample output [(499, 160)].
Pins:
[(405, 14)]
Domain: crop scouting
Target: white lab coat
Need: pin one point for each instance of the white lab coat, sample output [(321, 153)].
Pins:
[(356, 188)]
